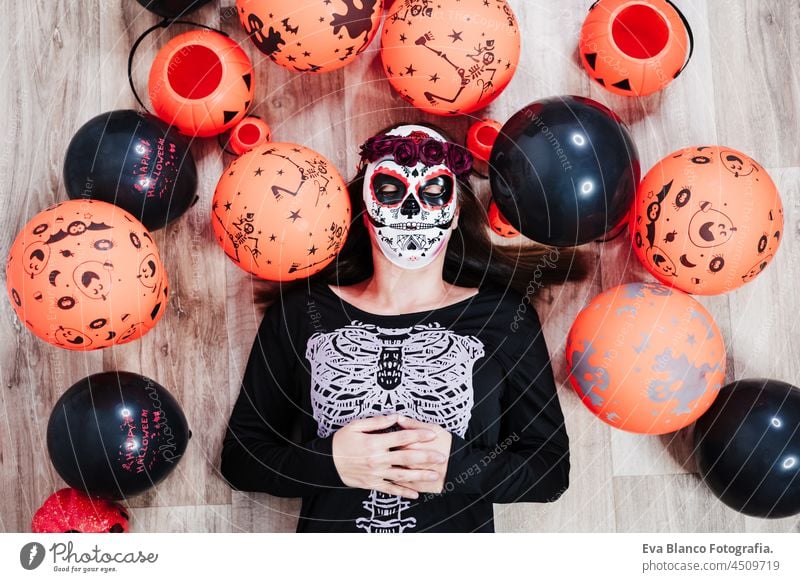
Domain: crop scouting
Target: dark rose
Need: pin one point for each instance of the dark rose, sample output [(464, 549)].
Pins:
[(383, 146), (376, 147), (459, 160), (431, 153), (405, 153)]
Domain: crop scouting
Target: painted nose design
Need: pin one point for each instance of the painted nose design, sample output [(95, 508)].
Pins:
[(410, 207)]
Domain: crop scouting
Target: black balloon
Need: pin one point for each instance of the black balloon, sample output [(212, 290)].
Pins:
[(133, 160), (172, 8), (116, 434), (564, 171), (747, 447)]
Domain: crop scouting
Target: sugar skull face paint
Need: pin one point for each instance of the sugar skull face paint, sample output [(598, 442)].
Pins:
[(410, 208)]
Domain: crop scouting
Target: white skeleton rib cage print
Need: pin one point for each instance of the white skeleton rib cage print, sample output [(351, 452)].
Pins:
[(363, 370)]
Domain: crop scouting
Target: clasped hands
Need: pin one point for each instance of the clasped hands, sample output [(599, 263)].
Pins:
[(405, 462)]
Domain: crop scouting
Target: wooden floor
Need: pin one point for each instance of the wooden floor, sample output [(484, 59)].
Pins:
[(64, 62)]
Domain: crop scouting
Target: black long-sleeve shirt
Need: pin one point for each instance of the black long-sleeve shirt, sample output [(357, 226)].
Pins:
[(479, 368)]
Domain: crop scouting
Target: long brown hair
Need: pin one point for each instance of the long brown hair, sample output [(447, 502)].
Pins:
[(471, 257)]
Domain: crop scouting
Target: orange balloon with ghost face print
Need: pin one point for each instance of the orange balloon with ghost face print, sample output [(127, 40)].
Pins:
[(281, 211), (707, 220), (85, 274), (645, 358), (448, 58), (314, 36)]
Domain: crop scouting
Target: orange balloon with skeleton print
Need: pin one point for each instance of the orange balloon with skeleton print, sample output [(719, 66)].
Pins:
[(707, 220), (281, 211), (448, 58), (85, 274)]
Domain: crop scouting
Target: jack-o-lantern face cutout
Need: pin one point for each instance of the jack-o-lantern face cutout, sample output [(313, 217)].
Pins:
[(450, 58), (202, 83), (80, 272), (499, 223), (312, 36), (703, 229)]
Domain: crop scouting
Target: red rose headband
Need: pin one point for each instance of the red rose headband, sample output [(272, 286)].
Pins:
[(417, 148)]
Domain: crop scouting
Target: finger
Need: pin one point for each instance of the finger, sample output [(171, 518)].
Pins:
[(406, 458), (406, 422), (395, 489), (426, 466), (421, 486), (374, 422), (406, 437), (396, 474)]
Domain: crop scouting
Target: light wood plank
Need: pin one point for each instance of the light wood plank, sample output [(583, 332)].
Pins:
[(259, 512), (670, 504), (755, 86), (50, 93), (181, 519)]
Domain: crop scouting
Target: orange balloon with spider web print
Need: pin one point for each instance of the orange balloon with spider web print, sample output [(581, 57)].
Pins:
[(448, 58), (281, 211)]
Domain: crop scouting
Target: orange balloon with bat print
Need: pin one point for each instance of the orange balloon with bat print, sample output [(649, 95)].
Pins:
[(85, 274), (313, 36), (707, 220)]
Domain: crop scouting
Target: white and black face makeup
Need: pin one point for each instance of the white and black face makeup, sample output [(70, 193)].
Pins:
[(410, 209)]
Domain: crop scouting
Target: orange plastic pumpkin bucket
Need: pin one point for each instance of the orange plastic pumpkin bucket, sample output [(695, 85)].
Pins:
[(635, 47), (499, 223), (201, 82), (250, 132)]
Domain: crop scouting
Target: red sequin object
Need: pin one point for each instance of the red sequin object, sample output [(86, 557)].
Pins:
[(72, 511)]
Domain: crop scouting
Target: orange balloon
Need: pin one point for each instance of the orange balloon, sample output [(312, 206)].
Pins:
[(499, 223), (448, 58), (645, 358), (85, 274), (201, 82), (311, 35), (249, 133), (706, 220), (281, 212), (633, 47)]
